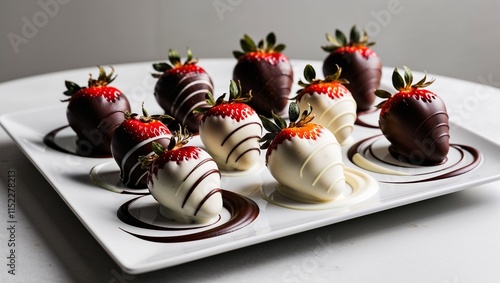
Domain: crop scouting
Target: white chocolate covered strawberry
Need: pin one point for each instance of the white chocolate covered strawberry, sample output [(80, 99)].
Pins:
[(304, 157), (185, 180), (333, 104), (231, 130)]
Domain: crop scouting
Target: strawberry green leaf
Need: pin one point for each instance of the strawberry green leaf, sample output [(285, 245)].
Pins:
[(408, 76), (261, 44), (174, 57), (102, 74), (271, 40), (268, 125), (266, 144), (220, 99), (329, 48), (161, 67), (189, 56), (383, 93), (280, 122), (72, 88), (247, 44), (381, 104), (422, 81), (234, 91), (397, 80), (209, 98), (341, 38), (279, 48), (333, 40), (309, 73), (158, 148), (293, 111), (355, 35), (238, 54), (269, 136)]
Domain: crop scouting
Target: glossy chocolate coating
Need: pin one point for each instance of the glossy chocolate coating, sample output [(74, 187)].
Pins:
[(418, 130), (179, 94), (363, 74), (133, 175), (270, 83), (94, 120)]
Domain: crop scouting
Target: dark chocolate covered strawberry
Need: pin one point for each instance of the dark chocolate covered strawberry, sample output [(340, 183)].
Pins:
[(134, 138), (94, 112), (360, 65), (414, 120), (181, 88), (263, 69)]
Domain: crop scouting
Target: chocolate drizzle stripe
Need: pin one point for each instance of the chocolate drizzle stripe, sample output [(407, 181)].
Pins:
[(139, 145), (207, 196), (247, 151), (243, 212), (198, 181), (144, 175), (239, 128), (190, 110), (240, 143), (50, 140), (197, 166), (429, 117), (174, 109)]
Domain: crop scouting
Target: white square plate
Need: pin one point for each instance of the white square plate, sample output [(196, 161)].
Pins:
[(97, 208)]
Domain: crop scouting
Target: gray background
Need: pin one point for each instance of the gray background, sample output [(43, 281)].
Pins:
[(441, 37)]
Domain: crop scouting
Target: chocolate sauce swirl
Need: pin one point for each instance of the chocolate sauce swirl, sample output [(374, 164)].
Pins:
[(50, 140), (243, 211), (455, 169)]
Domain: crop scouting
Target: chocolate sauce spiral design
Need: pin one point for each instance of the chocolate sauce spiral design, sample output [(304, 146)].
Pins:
[(363, 155), (243, 211), (50, 140)]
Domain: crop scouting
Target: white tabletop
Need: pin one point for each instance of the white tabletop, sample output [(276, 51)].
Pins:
[(453, 238)]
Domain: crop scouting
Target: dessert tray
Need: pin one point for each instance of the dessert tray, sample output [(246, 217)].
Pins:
[(130, 228)]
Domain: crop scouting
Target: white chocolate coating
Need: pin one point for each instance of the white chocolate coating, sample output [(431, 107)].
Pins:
[(189, 190), (338, 115), (234, 145), (309, 170)]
